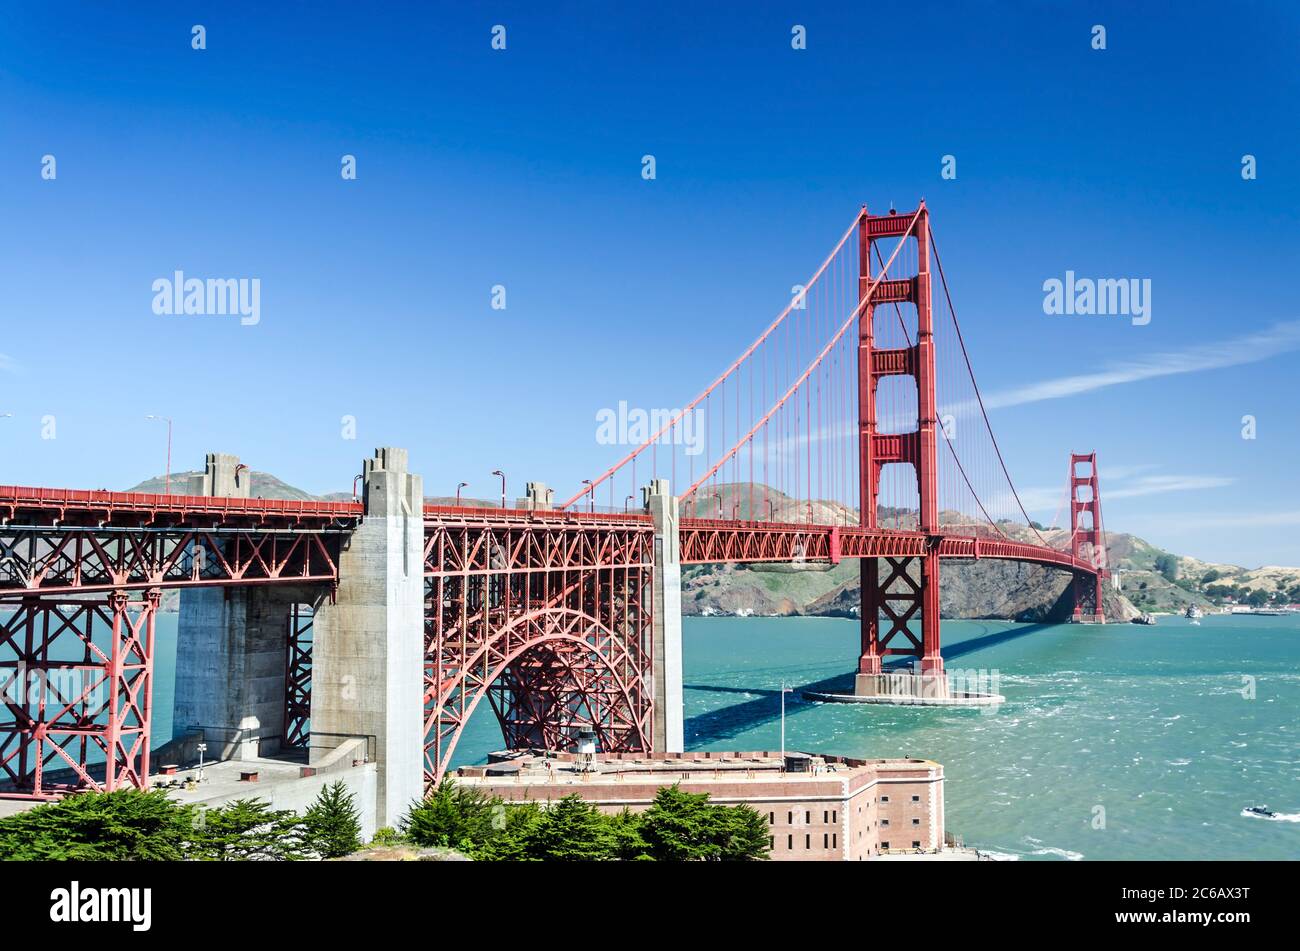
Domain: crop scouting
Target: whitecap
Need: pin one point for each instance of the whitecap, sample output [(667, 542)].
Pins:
[(1060, 853)]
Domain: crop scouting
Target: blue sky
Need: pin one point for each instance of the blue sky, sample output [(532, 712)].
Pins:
[(522, 168)]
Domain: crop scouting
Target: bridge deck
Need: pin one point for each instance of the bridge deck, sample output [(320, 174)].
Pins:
[(63, 540)]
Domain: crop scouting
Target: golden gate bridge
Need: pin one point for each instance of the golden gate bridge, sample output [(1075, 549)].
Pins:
[(851, 427)]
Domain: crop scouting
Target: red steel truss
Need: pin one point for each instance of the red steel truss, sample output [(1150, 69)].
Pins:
[(707, 541), (77, 679), (65, 560), (297, 676), (547, 616)]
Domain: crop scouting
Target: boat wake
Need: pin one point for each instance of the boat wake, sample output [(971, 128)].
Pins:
[(1265, 813)]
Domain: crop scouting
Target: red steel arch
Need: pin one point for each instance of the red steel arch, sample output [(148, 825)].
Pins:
[(549, 617), (543, 702)]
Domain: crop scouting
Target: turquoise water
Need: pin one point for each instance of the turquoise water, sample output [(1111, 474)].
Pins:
[(1148, 723)]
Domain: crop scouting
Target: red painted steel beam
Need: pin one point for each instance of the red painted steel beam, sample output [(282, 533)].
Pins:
[(64, 504)]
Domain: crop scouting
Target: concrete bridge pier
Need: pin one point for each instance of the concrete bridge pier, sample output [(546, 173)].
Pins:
[(368, 644), (230, 652), (666, 601)]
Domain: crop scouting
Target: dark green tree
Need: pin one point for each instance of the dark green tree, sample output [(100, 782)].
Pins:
[(1167, 565), (743, 834), (625, 827), (570, 831), (683, 827), (454, 816), (511, 842), (247, 829), (126, 825), (332, 824)]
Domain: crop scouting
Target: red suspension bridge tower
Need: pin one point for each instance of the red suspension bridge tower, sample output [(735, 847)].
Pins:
[(1087, 537), (910, 585)]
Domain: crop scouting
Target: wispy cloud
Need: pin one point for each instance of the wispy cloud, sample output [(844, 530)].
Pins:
[(1160, 484), (1196, 521), (1122, 482), (1280, 338)]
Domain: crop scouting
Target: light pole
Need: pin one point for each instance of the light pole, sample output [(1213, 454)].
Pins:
[(591, 491), (168, 477), (202, 748), (626, 502), (463, 485), (498, 472), (784, 690)]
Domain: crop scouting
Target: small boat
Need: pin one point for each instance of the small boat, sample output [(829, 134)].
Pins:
[(1145, 619), (1193, 614), (1262, 811)]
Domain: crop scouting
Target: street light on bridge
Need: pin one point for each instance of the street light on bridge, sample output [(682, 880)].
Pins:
[(498, 472), (167, 478), (462, 485), (626, 502), (591, 491)]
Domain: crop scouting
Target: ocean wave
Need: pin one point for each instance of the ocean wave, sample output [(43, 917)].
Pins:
[(1060, 853)]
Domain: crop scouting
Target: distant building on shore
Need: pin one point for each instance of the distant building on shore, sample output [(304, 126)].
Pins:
[(818, 808)]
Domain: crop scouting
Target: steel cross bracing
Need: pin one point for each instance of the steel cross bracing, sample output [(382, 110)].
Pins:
[(81, 576), (549, 617)]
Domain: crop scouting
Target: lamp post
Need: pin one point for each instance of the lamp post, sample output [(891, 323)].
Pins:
[(784, 690), (591, 491), (462, 485), (498, 472), (167, 478), (771, 511), (202, 748), (626, 502)]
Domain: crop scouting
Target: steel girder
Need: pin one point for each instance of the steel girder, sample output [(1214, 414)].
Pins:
[(297, 676), (55, 559), (714, 540), (76, 678), (550, 618)]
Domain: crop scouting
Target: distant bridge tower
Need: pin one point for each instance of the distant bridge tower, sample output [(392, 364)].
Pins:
[(1087, 539), (907, 589)]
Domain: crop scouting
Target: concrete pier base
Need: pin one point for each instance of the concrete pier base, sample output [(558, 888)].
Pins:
[(230, 651), (661, 504), (230, 668), (368, 644), (907, 688)]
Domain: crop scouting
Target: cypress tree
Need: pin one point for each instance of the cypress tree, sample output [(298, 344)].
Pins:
[(332, 824)]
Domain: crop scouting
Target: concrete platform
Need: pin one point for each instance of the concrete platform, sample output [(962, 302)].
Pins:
[(898, 700), (905, 688)]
